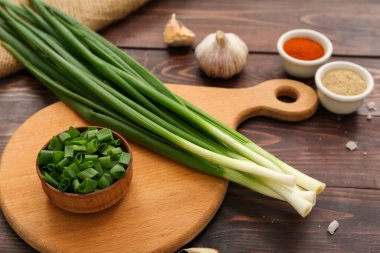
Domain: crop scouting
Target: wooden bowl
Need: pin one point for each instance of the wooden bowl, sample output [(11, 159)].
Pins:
[(90, 202)]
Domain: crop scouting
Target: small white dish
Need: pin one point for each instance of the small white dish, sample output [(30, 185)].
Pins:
[(342, 104), (300, 68)]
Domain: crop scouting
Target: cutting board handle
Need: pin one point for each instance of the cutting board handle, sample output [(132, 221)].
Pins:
[(263, 100)]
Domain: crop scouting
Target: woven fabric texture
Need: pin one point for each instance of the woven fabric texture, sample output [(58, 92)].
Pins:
[(94, 13)]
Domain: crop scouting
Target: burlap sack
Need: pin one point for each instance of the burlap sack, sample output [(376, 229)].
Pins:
[(94, 13)]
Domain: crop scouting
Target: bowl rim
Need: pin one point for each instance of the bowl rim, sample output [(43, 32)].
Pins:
[(363, 72), (304, 33), (92, 194)]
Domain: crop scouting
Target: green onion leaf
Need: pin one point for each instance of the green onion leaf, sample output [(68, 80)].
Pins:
[(92, 146), (69, 151), (79, 148), (50, 179), (114, 151), (125, 158), (71, 171), (98, 167), (55, 144), (51, 167), (105, 181), (93, 158), (75, 184), (105, 162), (73, 132), (78, 159), (87, 186), (64, 136), (79, 142), (88, 173), (115, 142), (63, 162), (104, 134), (58, 156), (45, 157), (91, 134), (86, 165), (107, 149), (117, 171), (64, 184)]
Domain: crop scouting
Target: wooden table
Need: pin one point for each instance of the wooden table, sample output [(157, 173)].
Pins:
[(246, 221)]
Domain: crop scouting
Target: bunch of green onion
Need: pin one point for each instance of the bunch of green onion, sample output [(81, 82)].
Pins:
[(107, 87)]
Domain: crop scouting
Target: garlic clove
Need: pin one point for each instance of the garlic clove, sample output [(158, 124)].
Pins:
[(221, 55), (176, 34)]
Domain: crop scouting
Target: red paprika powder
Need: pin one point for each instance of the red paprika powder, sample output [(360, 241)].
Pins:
[(304, 49)]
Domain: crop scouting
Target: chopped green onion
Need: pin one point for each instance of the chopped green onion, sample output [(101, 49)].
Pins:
[(86, 165), (71, 171), (45, 157), (114, 151), (58, 156), (55, 144), (75, 184), (78, 159), (105, 181), (105, 162), (73, 132), (88, 173), (98, 167), (64, 184), (104, 135), (115, 142), (55, 175), (63, 162), (87, 186), (107, 149), (69, 151), (80, 148), (125, 158), (102, 147), (50, 179), (80, 142), (93, 158), (92, 146), (51, 167), (117, 171), (64, 136), (91, 134)]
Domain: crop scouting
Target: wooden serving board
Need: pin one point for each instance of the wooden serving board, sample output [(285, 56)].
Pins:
[(167, 204)]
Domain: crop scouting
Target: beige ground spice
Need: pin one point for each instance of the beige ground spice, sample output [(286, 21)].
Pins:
[(344, 82)]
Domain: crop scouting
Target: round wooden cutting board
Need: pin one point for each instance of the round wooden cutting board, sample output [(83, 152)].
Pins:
[(167, 204)]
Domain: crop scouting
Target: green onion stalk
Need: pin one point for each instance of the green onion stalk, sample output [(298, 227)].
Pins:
[(108, 87)]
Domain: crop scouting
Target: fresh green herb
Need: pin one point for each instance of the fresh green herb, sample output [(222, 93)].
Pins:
[(108, 87), (55, 144), (79, 169)]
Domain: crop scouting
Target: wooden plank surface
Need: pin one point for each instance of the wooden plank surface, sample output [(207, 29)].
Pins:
[(350, 24), (247, 222)]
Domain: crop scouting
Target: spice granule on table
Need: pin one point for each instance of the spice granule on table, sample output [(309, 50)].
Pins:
[(344, 82)]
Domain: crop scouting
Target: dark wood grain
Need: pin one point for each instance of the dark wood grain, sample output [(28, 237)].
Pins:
[(248, 222), (353, 26)]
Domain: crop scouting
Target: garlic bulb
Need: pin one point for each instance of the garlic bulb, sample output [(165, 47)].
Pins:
[(176, 34), (221, 54)]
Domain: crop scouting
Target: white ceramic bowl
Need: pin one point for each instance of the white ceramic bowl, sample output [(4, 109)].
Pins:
[(341, 104), (300, 68)]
